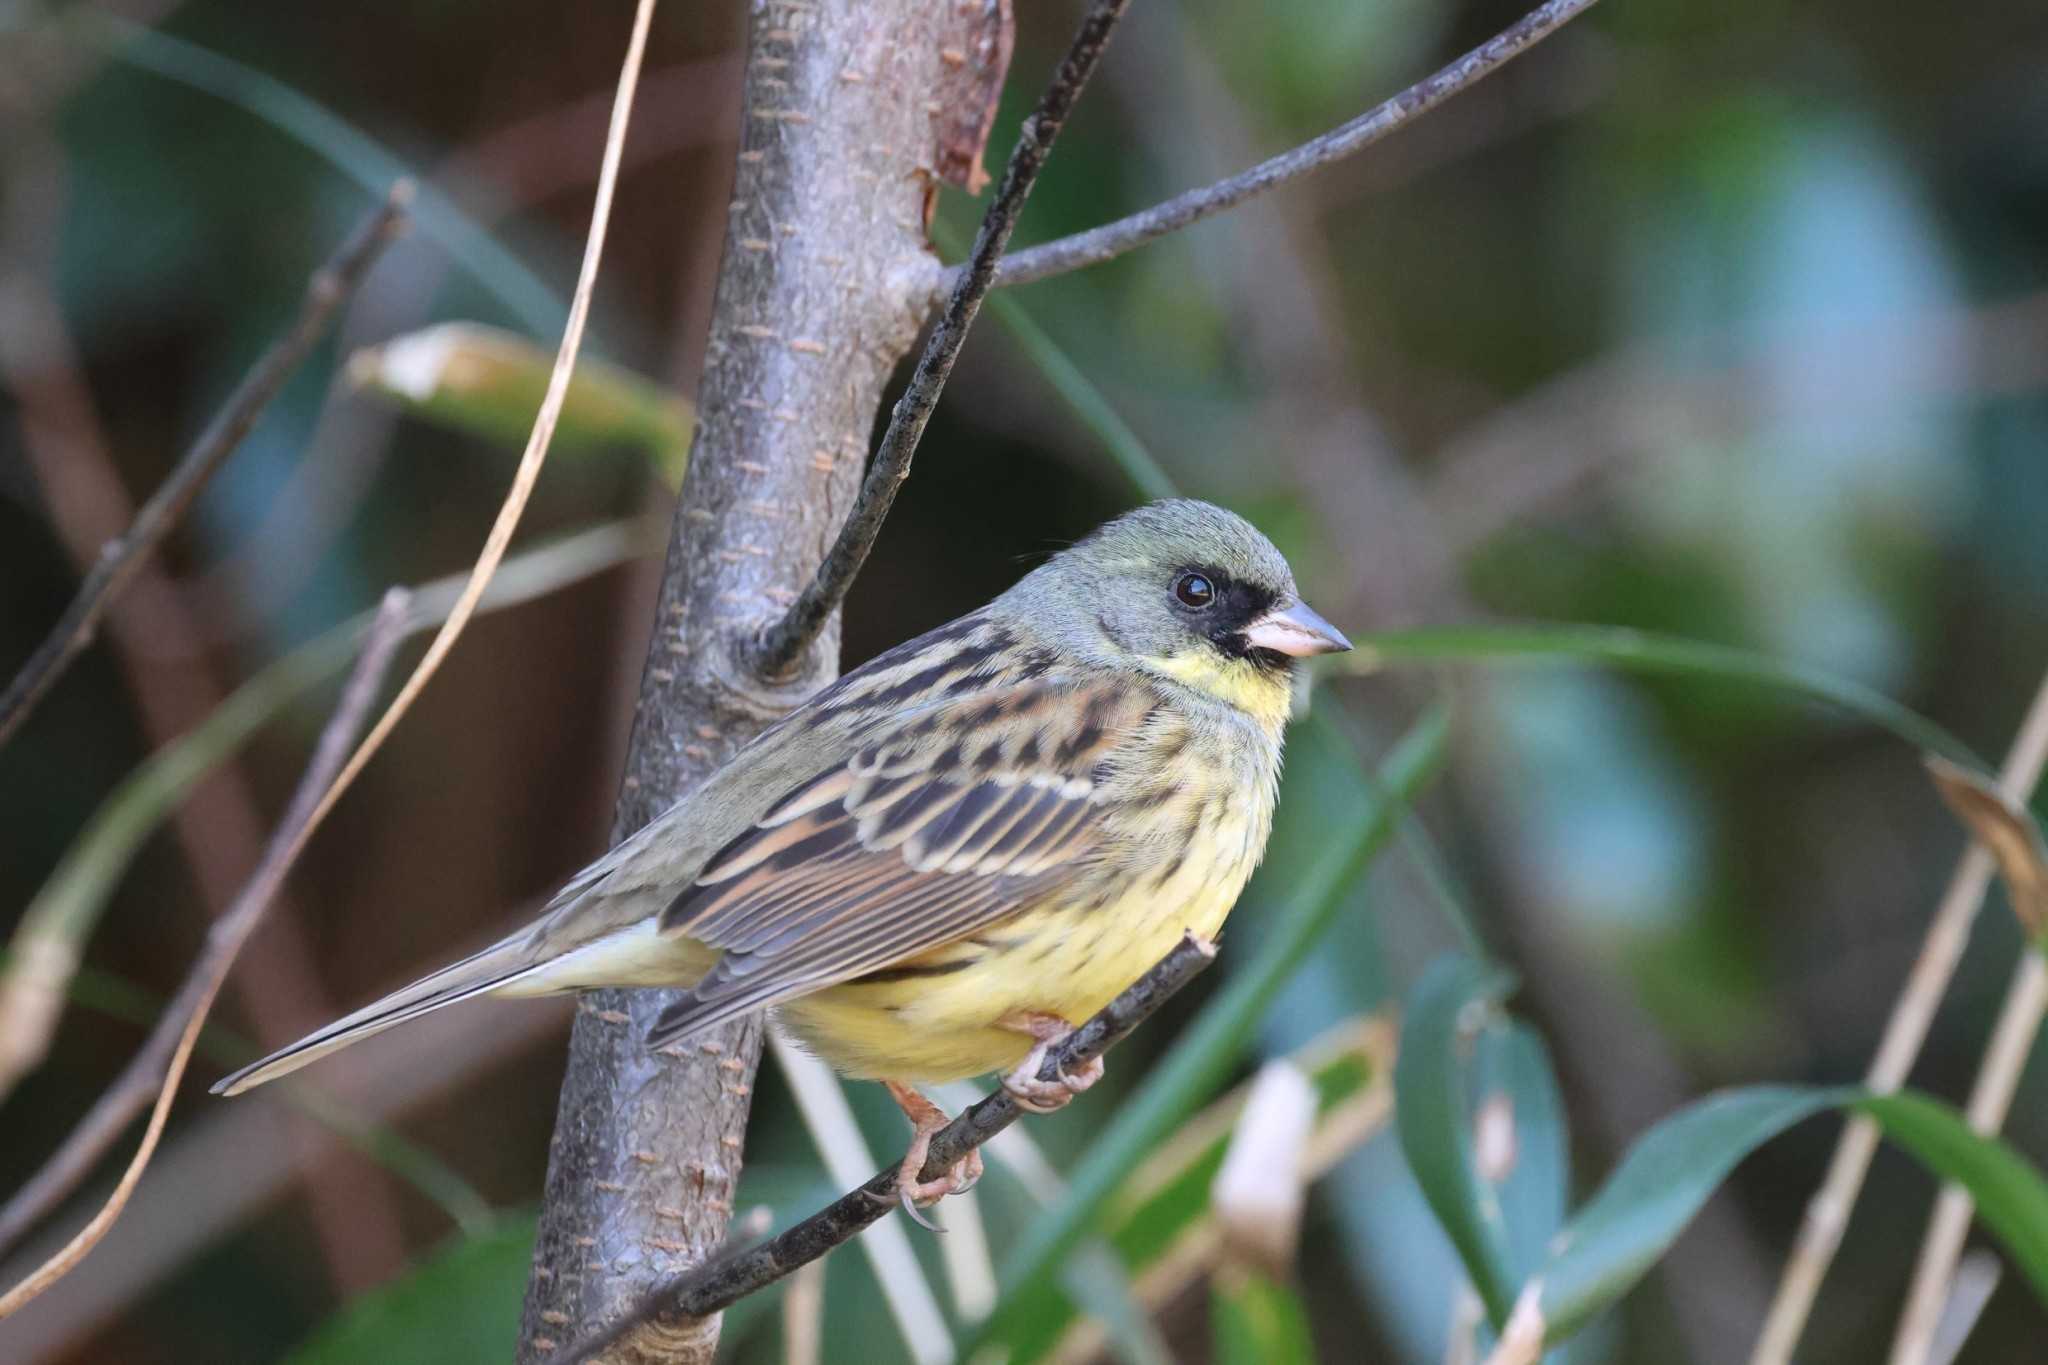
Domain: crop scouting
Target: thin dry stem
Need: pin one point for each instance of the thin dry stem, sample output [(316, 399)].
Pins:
[(1827, 1213), (122, 557), (2019, 1024), (785, 641), (1125, 234), (536, 450), (161, 1065)]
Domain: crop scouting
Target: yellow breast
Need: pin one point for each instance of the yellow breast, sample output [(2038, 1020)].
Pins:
[(936, 1018)]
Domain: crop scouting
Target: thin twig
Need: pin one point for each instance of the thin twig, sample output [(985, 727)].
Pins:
[(161, 1063), (68, 906), (528, 472), (1827, 1213), (1114, 239), (121, 557), (785, 641), (2012, 1042), (725, 1280)]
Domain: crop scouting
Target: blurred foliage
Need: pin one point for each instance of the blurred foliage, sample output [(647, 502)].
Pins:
[(1724, 323), (460, 1304)]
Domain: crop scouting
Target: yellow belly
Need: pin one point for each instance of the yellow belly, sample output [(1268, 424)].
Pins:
[(942, 1023)]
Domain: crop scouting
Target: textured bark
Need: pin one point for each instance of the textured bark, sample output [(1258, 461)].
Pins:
[(818, 299)]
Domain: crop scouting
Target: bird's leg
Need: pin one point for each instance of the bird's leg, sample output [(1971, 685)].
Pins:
[(926, 1119), (1042, 1097)]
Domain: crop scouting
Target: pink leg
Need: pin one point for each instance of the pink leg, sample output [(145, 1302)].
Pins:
[(926, 1119)]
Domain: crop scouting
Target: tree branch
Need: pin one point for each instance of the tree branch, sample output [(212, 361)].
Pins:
[(845, 129), (161, 1063), (725, 1280), (121, 557), (785, 641), (1125, 234)]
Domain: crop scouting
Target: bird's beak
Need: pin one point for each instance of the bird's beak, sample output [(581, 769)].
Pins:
[(1297, 631)]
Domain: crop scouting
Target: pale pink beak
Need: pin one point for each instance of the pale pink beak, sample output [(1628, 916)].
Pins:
[(1296, 631)]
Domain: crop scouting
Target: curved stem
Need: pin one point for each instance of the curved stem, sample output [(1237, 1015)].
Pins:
[(1114, 239), (785, 642)]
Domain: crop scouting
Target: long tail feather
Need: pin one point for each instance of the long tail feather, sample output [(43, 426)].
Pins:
[(495, 967)]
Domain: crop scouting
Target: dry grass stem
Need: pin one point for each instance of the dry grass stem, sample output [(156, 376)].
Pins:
[(162, 1062), (1827, 1213)]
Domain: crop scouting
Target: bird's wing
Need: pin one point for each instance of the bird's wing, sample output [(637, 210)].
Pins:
[(952, 818)]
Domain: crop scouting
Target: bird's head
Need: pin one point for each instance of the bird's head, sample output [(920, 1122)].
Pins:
[(1188, 591)]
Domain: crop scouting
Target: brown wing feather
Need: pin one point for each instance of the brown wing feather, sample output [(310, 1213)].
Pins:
[(948, 821)]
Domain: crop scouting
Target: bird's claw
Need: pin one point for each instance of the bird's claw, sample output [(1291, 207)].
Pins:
[(927, 1119), (916, 1194), (1026, 1087)]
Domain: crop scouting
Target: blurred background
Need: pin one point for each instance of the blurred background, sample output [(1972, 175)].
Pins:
[(1729, 321)]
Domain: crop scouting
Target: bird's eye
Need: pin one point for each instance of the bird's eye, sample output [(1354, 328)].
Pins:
[(1194, 590)]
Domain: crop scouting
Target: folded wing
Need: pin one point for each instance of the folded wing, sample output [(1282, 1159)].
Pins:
[(953, 820)]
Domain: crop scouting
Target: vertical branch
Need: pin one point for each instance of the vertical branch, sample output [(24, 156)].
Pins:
[(821, 597), (815, 306)]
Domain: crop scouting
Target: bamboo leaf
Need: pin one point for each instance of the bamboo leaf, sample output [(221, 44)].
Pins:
[(1439, 1031), (488, 382), (2010, 1193), (1535, 1196), (1642, 651), (1655, 1192), (1671, 1171)]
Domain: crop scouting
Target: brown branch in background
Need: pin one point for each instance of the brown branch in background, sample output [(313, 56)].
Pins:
[(157, 638), (786, 641), (120, 559), (499, 174), (160, 1065), (1948, 933), (1125, 234), (1542, 448), (31, 1006), (229, 1163), (724, 1280), (548, 152)]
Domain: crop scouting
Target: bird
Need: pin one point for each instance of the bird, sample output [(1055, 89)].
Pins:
[(942, 863)]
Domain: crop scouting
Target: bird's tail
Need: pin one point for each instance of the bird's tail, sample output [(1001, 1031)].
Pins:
[(497, 966)]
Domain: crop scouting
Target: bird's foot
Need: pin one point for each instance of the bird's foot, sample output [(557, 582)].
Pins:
[(1023, 1082), (927, 1119)]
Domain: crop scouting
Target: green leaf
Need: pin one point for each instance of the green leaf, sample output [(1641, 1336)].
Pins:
[(1644, 651), (1212, 1046), (344, 146), (1438, 1031), (461, 1304), (1257, 1320), (1669, 1173), (488, 382), (1536, 1196), (1655, 1192), (2011, 1195)]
